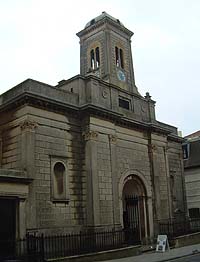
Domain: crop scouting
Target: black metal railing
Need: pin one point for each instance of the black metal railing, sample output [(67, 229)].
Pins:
[(174, 229), (82, 243), (27, 249), (38, 248)]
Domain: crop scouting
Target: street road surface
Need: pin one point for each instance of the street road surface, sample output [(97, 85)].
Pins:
[(193, 258)]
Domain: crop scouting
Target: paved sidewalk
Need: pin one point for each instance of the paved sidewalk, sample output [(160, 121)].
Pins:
[(158, 257)]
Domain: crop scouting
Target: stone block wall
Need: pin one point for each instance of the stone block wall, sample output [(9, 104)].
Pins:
[(11, 148), (10, 137), (107, 39), (105, 180), (92, 41), (177, 180), (58, 138), (35, 139), (120, 43), (134, 153), (192, 182), (30, 139), (119, 151)]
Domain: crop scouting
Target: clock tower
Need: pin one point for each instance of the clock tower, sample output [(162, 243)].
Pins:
[(105, 51)]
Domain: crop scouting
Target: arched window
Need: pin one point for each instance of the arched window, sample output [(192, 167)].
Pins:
[(60, 187), (119, 59), (92, 60), (59, 172), (116, 56), (95, 58), (59, 180)]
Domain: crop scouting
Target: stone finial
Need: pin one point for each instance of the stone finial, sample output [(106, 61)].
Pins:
[(90, 135), (148, 97), (28, 125)]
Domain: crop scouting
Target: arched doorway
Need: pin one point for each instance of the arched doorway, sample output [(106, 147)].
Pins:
[(135, 211)]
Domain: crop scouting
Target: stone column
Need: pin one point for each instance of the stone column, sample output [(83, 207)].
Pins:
[(160, 181), (156, 205), (115, 189), (22, 218), (93, 210), (107, 63), (28, 164), (170, 197), (28, 146), (150, 217)]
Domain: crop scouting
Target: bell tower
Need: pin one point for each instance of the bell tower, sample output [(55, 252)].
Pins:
[(105, 51)]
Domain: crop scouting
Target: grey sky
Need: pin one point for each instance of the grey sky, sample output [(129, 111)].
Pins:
[(38, 40)]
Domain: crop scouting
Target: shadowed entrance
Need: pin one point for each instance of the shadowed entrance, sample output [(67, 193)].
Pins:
[(135, 215), (7, 226)]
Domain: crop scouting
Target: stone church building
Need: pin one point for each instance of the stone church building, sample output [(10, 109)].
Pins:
[(89, 152)]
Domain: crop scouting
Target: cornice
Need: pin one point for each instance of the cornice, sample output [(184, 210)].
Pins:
[(20, 180), (38, 101), (17, 176), (102, 82), (101, 22), (124, 121), (175, 138), (80, 112)]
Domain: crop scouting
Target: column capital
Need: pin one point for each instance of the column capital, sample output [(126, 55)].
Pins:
[(112, 138), (28, 125), (152, 148), (90, 135)]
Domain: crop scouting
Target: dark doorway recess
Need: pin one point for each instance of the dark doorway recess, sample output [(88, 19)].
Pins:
[(7, 226)]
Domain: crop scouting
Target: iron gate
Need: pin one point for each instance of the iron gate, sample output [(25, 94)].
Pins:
[(134, 218)]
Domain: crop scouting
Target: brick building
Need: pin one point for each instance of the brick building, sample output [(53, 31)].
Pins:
[(89, 152)]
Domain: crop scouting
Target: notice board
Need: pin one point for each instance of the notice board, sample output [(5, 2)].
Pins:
[(162, 243)]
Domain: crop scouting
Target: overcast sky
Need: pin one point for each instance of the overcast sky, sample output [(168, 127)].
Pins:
[(38, 40)]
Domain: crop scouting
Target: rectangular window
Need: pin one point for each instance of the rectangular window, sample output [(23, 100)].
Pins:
[(124, 103)]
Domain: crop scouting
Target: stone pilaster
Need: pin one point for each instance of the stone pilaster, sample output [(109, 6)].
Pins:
[(168, 184), (115, 188), (93, 210), (160, 180), (28, 164), (28, 146), (22, 219)]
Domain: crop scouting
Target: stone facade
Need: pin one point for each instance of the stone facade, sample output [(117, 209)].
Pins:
[(70, 154), (191, 149)]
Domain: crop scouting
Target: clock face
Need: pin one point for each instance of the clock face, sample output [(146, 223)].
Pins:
[(121, 76)]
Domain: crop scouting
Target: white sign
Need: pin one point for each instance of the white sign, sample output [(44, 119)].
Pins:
[(162, 243)]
